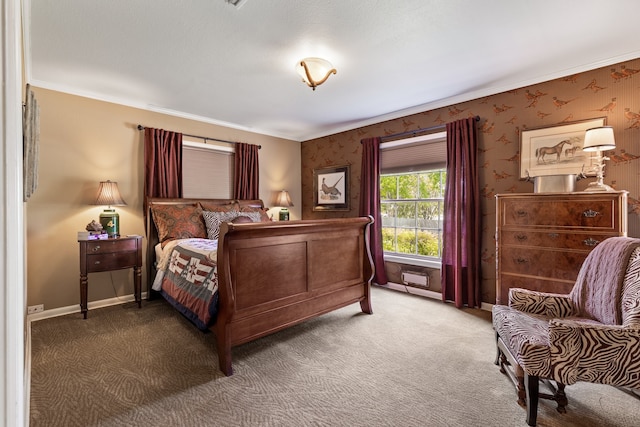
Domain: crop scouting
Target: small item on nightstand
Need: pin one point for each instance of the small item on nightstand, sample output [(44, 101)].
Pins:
[(94, 232), (92, 235), (94, 226)]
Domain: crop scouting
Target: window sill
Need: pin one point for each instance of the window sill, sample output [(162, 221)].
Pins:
[(430, 263)]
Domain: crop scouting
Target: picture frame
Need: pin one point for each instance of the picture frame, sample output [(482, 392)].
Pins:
[(557, 149), (331, 188)]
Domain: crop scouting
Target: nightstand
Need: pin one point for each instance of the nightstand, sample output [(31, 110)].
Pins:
[(107, 255)]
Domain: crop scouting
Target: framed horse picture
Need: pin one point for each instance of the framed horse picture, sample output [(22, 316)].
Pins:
[(331, 189), (557, 149)]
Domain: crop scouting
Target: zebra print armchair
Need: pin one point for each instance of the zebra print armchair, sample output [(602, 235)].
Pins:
[(591, 334)]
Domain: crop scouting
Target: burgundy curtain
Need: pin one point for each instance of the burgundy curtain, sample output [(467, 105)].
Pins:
[(246, 172), (162, 164), (461, 273), (370, 203)]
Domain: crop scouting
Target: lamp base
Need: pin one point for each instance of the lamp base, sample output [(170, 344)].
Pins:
[(110, 221), (598, 186), (284, 214)]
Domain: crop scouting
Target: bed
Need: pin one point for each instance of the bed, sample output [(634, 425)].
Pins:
[(229, 269)]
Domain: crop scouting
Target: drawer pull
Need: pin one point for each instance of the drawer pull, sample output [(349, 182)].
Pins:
[(520, 260), (521, 237), (591, 242), (590, 213), (521, 213), (97, 263), (96, 248), (553, 235)]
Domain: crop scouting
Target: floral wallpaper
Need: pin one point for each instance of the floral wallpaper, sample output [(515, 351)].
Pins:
[(612, 92)]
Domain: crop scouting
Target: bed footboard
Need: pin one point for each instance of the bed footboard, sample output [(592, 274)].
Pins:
[(274, 275)]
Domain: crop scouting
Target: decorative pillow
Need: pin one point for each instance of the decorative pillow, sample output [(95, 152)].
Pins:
[(213, 207), (242, 219), (252, 216), (264, 216), (178, 222), (213, 221)]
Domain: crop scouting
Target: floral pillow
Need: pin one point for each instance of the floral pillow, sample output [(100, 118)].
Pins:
[(213, 207), (178, 222)]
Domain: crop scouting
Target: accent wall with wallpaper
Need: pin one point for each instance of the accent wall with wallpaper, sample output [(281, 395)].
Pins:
[(612, 92)]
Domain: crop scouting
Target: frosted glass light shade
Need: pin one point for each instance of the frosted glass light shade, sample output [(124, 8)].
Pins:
[(314, 71)]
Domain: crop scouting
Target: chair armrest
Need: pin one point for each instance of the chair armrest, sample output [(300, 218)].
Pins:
[(543, 303), (593, 352)]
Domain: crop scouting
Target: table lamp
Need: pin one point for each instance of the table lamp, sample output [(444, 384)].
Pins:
[(108, 194), (283, 201), (599, 139)]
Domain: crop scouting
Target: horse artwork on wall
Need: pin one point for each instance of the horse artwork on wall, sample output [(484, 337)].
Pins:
[(557, 150)]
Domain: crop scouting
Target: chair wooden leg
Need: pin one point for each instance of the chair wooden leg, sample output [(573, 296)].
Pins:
[(498, 352), (531, 385), (561, 399)]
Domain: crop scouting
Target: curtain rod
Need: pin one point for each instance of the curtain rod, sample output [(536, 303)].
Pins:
[(414, 132), (206, 138)]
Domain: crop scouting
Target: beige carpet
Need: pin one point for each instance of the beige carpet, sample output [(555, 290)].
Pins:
[(414, 362)]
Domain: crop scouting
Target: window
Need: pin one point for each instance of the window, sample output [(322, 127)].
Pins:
[(412, 183), (207, 171)]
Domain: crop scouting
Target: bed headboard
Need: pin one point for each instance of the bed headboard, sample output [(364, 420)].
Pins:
[(152, 231)]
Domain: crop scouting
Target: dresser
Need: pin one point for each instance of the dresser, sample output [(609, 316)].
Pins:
[(543, 238)]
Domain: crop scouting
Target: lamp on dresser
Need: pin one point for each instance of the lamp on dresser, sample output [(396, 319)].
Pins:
[(599, 139), (109, 195)]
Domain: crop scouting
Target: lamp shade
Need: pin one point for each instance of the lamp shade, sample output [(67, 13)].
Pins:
[(599, 139), (314, 71), (283, 200), (108, 194)]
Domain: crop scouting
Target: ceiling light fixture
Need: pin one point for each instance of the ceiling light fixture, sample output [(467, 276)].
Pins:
[(237, 3), (315, 71)]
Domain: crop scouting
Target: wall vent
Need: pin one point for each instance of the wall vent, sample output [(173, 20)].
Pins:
[(410, 278)]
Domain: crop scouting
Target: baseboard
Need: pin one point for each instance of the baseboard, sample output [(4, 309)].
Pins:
[(425, 293), (62, 311)]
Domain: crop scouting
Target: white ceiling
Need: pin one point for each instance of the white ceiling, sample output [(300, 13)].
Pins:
[(210, 61)]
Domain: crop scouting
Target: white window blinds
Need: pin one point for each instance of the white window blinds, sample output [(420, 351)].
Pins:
[(426, 152), (207, 171)]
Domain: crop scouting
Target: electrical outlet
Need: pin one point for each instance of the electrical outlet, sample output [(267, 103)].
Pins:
[(35, 309)]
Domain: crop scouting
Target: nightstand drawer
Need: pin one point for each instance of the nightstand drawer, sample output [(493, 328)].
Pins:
[(110, 261), (109, 246)]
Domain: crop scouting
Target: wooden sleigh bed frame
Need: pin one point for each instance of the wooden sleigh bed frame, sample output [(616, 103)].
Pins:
[(272, 275)]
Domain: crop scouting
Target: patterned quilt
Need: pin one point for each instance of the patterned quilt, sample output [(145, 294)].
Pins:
[(190, 279)]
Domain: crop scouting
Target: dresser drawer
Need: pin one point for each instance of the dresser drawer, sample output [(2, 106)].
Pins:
[(552, 239), (508, 281), (584, 214), (109, 246), (553, 264), (110, 261)]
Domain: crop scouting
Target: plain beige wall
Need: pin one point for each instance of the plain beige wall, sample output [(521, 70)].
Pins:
[(85, 141)]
